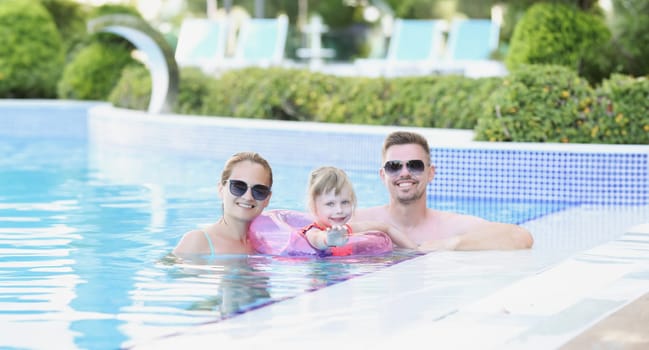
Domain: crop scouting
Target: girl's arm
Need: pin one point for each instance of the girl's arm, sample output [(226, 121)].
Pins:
[(317, 238), (331, 237)]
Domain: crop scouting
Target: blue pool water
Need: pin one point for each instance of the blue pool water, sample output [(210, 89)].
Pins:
[(84, 256)]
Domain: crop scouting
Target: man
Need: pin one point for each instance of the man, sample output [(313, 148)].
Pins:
[(406, 173)]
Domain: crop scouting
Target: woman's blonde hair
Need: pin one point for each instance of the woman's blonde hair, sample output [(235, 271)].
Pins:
[(323, 180), (246, 156)]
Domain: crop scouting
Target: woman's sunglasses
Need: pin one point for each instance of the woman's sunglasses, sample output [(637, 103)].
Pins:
[(259, 192), (393, 167)]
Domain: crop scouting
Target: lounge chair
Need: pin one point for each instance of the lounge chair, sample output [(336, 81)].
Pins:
[(415, 48), (201, 43), (470, 45), (260, 42)]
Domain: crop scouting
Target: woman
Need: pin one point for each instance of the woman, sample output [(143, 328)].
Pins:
[(245, 189)]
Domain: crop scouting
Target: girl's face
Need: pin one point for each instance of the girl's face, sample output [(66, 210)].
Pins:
[(331, 209), (244, 206)]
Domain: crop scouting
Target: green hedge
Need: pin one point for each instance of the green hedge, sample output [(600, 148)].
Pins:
[(133, 90), (94, 71), (97, 63), (553, 104), (70, 18), (622, 111), (630, 27), (538, 104), (535, 103), (31, 50)]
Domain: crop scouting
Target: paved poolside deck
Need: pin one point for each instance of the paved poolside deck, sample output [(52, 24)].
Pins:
[(628, 328)]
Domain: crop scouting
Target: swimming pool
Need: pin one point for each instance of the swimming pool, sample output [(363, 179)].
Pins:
[(88, 215)]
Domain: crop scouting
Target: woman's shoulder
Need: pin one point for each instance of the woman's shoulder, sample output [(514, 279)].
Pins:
[(196, 234), (194, 241)]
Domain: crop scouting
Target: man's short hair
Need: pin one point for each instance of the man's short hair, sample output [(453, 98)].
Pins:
[(405, 138)]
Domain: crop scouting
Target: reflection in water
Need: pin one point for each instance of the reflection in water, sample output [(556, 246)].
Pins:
[(234, 284), (240, 282)]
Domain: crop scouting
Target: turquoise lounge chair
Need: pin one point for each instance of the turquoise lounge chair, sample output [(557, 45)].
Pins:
[(415, 48), (261, 42), (470, 44), (472, 39), (201, 43)]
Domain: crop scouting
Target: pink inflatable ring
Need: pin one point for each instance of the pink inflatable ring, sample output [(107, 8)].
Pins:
[(278, 232)]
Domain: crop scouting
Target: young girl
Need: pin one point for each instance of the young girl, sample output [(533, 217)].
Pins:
[(332, 201), (245, 189)]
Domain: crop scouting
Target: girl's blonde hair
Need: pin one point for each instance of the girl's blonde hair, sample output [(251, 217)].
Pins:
[(323, 180)]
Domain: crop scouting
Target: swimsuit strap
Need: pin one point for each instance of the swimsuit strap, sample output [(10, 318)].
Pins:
[(209, 241)]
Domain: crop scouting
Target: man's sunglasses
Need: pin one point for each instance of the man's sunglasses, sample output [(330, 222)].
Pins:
[(259, 192), (415, 166)]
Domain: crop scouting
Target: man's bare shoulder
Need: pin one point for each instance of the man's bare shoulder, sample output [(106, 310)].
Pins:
[(454, 219)]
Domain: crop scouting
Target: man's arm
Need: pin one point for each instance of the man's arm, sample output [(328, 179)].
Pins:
[(484, 235), (397, 237)]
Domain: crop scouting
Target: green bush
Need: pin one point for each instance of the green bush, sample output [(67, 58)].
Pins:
[(274, 93), (409, 101), (559, 34), (622, 111), (352, 100), (535, 103), (193, 90), (97, 63), (111, 9), (133, 90), (631, 36), (438, 102), (539, 104), (243, 93), (94, 71), (291, 94), (31, 50), (457, 102), (70, 18), (306, 96)]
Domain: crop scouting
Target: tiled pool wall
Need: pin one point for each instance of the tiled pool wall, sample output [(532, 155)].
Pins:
[(44, 118), (593, 174), (584, 174)]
